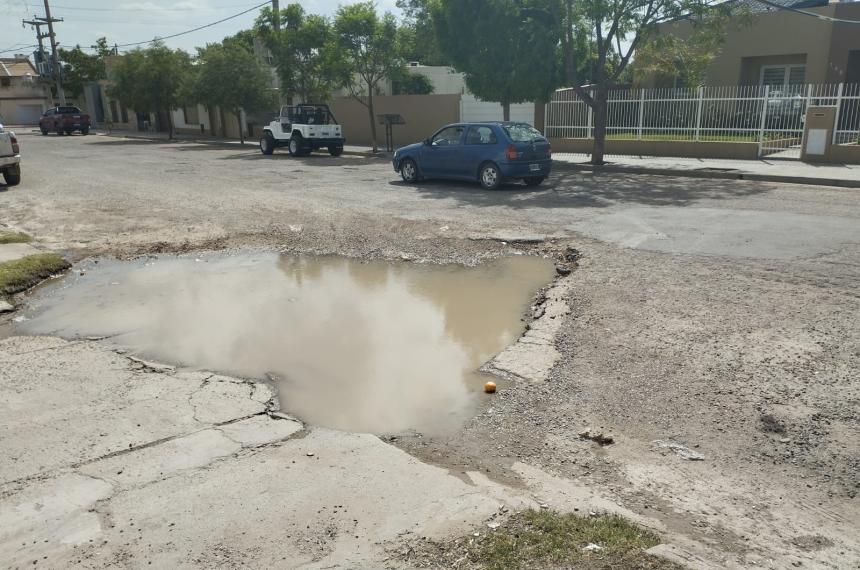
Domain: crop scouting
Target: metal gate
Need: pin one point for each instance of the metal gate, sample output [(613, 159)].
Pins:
[(782, 121)]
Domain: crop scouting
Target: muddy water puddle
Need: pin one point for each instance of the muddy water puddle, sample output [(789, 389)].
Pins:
[(359, 346)]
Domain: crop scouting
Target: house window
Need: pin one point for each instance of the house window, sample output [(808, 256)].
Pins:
[(5, 82), (783, 76)]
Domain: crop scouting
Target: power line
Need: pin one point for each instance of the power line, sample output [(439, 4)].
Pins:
[(153, 9), (203, 27), (18, 49)]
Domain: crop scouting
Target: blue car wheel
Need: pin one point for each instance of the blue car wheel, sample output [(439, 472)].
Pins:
[(409, 170), (490, 176)]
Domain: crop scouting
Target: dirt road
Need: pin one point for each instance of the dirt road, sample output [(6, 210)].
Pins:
[(714, 317)]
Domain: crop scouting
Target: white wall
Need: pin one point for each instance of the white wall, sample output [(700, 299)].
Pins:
[(445, 80), (472, 110)]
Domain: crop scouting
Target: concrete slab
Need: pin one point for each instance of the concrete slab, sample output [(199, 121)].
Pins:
[(13, 251), (110, 463), (77, 401)]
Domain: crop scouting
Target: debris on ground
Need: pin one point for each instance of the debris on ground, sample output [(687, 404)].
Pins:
[(152, 366), (6, 307), (592, 547), (597, 437), (769, 424), (681, 451), (563, 269)]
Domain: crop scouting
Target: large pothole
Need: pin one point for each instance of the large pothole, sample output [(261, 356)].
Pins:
[(359, 346)]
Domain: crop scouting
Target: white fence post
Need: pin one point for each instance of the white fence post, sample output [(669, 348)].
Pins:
[(763, 119), (641, 113), (838, 109), (699, 112)]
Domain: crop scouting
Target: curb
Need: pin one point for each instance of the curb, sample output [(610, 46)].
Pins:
[(714, 175)]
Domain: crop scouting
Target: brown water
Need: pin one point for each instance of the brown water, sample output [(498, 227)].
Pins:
[(372, 347)]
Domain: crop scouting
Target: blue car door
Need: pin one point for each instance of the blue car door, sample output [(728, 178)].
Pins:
[(479, 146), (439, 157)]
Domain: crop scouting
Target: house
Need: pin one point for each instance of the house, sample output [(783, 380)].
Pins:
[(780, 47), (23, 94)]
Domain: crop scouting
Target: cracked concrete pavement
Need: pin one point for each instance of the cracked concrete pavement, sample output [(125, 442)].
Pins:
[(109, 461)]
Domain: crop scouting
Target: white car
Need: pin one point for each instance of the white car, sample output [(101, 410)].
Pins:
[(303, 129), (10, 156)]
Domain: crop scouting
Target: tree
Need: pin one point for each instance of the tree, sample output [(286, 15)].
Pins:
[(304, 52), (618, 28), (416, 35), (368, 46), (507, 49), (81, 68), (403, 82), (686, 48), (151, 80), (228, 75)]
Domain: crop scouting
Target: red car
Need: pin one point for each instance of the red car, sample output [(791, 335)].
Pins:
[(64, 120)]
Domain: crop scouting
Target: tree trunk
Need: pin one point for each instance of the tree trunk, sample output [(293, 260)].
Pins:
[(169, 125), (241, 130), (222, 119), (372, 122), (211, 116), (600, 112), (567, 45), (506, 111), (540, 115)]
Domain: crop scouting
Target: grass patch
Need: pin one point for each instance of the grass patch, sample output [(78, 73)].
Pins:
[(539, 539), (21, 274), (14, 237), (547, 540)]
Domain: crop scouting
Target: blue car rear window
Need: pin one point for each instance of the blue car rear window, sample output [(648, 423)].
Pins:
[(522, 133)]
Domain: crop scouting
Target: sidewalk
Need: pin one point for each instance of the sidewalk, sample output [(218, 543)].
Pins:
[(791, 171)]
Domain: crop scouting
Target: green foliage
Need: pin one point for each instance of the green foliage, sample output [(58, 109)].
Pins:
[(14, 237), (403, 82), (545, 539), (416, 36), (683, 50), (81, 68), (21, 274), (368, 48), (151, 79), (304, 52), (506, 48)]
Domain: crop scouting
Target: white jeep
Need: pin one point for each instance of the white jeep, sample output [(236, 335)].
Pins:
[(303, 129)]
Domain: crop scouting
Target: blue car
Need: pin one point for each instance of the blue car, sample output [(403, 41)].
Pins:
[(487, 152)]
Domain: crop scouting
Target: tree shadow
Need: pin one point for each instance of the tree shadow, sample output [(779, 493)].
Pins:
[(591, 190)]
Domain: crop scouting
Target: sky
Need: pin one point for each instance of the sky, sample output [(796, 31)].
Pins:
[(129, 21)]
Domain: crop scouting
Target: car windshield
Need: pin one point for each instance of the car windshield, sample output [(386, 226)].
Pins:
[(522, 133), (65, 110), (308, 115)]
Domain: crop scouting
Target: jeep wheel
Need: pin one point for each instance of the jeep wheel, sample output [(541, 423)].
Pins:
[(44, 132), (295, 148), (267, 144), (335, 150), (12, 177), (85, 131)]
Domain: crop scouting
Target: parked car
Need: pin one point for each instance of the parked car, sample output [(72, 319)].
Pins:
[(303, 129), (489, 153), (10, 156), (64, 120)]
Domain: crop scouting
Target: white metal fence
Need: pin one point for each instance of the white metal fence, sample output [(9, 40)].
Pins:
[(770, 116)]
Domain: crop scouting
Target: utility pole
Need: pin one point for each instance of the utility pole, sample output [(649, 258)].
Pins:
[(276, 15), (54, 60)]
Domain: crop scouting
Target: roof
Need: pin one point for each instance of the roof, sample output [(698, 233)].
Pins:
[(757, 7), (14, 67)]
